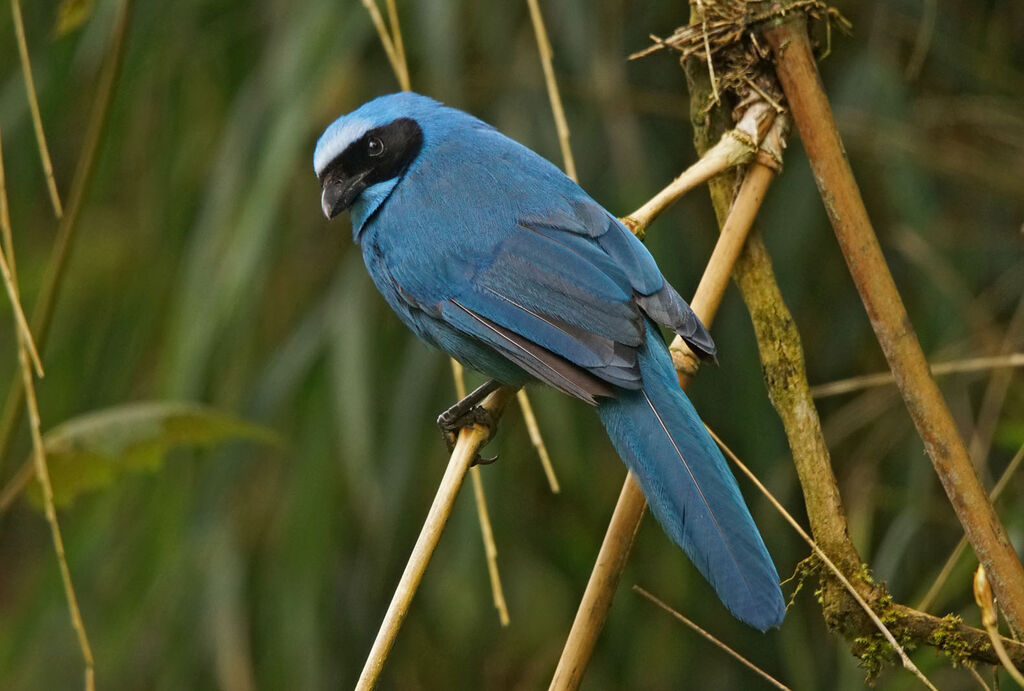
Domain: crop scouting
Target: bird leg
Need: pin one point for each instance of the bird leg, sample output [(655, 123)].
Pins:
[(467, 413)]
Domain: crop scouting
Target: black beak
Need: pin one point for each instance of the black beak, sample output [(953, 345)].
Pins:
[(339, 193)]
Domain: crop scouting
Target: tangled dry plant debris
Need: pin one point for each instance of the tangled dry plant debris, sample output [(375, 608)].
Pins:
[(725, 39)]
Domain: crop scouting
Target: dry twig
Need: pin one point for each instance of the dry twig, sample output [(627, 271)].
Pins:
[(867, 381), (736, 147), (714, 641), (828, 562)]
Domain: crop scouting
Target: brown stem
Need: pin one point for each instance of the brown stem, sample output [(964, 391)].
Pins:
[(798, 74), (469, 442), (629, 510)]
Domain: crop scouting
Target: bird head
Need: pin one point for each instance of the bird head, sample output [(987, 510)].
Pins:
[(363, 154)]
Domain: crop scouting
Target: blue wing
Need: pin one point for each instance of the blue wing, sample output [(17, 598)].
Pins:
[(558, 286)]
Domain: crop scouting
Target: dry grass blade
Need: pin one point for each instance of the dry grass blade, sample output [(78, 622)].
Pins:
[(16, 485), (769, 678), (947, 569), (977, 677), (707, 51), (546, 56), (990, 620), (828, 562), (19, 317), (996, 392), (868, 381), (486, 532), (399, 44), (490, 547), (7, 266), (470, 441), (33, 103), (533, 429), (39, 458), (67, 230), (386, 42)]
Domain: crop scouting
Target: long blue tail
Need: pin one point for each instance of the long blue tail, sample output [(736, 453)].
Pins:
[(690, 490)]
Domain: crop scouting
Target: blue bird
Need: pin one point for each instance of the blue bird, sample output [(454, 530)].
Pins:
[(489, 252)]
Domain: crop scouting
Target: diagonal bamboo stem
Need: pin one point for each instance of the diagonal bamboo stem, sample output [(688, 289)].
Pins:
[(801, 83), (630, 507), (470, 441), (483, 516)]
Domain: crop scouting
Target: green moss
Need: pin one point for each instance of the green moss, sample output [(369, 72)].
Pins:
[(805, 569), (951, 642), (874, 651)]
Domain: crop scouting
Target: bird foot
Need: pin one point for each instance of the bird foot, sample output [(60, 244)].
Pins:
[(457, 417)]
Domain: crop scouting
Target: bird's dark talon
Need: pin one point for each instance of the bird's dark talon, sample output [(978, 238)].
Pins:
[(483, 460), (452, 421)]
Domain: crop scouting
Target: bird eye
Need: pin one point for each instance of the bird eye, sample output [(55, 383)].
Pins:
[(375, 147)]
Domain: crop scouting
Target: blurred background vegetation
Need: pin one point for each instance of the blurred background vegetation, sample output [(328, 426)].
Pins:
[(204, 271)]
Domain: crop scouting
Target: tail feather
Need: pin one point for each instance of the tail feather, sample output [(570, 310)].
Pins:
[(690, 489)]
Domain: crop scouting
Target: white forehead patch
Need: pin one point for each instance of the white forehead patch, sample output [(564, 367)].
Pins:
[(336, 139)]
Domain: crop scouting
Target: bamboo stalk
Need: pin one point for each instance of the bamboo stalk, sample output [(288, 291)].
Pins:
[(629, 509), (470, 441), (483, 516), (736, 147), (798, 74)]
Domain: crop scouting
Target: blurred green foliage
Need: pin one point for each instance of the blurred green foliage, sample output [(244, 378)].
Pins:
[(204, 271), (93, 450)]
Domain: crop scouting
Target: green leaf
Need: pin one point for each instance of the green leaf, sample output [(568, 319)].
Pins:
[(91, 451), (71, 15)]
